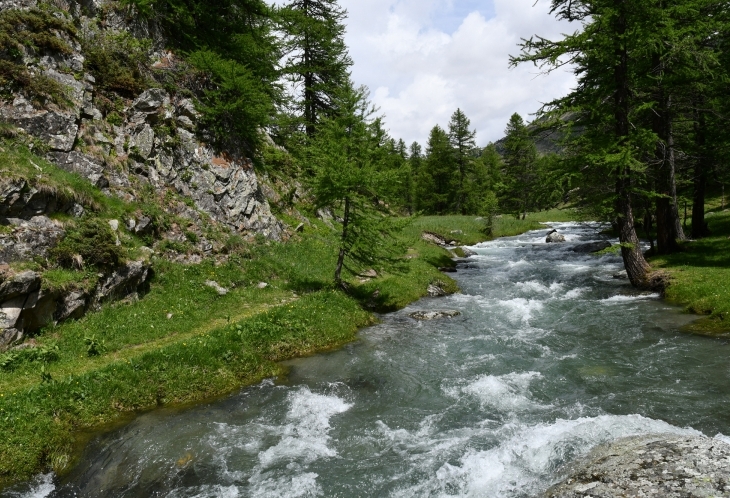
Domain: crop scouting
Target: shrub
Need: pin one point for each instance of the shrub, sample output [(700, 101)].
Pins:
[(93, 240), (118, 61)]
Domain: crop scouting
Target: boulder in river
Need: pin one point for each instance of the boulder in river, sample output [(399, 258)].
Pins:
[(436, 290), (661, 465), (591, 247), (434, 315), (554, 237)]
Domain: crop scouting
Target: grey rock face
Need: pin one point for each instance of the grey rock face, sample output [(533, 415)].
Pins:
[(18, 199), (151, 100), (132, 278), (71, 306), (8, 337), (665, 466), (591, 247), (82, 165), (29, 239), (434, 315), (20, 284), (10, 312)]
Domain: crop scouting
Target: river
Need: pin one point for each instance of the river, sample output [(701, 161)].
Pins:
[(550, 357)]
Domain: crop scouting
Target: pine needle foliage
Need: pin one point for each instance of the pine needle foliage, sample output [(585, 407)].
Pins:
[(350, 179)]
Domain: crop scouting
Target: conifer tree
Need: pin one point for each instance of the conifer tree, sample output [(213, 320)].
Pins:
[(520, 175), (436, 178), (462, 141), (317, 61), (604, 103), (349, 177)]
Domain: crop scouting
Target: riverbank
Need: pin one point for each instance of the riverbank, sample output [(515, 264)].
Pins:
[(185, 342), (700, 277)]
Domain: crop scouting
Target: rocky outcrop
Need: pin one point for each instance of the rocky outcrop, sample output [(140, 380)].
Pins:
[(591, 247), (666, 466), (156, 143), (554, 237), (26, 307), (434, 315), (23, 240)]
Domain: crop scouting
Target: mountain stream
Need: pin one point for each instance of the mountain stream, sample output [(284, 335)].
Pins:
[(550, 357)]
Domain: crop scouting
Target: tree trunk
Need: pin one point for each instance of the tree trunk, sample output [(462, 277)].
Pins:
[(309, 106), (699, 228), (343, 244), (676, 220), (669, 227), (634, 262)]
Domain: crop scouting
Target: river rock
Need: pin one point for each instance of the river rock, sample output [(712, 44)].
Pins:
[(468, 252), (622, 275), (666, 466), (434, 315), (554, 237), (433, 238), (591, 247), (435, 290)]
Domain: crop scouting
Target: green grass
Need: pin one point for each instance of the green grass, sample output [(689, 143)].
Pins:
[(700, 277), (183, 342)]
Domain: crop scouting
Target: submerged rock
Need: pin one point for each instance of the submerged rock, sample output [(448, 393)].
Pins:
[(664, 465), (434, 315), (591, 247)]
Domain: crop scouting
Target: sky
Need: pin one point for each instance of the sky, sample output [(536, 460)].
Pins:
[(423, 59)]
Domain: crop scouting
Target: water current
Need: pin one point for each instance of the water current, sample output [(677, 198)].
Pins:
[(550, 357)]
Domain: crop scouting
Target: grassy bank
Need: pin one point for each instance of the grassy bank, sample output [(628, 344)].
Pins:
[(700, 277)]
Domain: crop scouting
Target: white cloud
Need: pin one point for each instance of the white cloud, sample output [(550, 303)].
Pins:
[(424, 58)]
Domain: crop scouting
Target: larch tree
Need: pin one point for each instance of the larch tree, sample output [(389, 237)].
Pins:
[(349, 177), (610, 149), (520, 160), (317, 61), (463, 144), (436, 177)]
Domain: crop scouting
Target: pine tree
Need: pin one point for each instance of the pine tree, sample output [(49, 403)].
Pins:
[(436, 179), (317, 61), (520, 168), (604, 103), (462, 141), (349, 176)]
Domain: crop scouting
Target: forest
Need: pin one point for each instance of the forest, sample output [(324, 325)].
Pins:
[(640, 142)]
